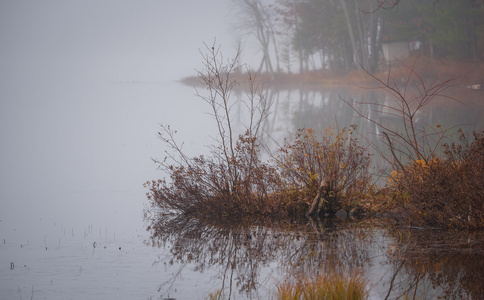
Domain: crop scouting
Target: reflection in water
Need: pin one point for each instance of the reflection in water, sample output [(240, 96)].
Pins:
[(439, 263), (319, 109), (322, 107), (251, 256)]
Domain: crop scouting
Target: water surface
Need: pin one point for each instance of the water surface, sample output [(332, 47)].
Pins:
[(71, 210)]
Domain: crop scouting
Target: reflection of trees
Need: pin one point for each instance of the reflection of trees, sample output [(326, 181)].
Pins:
[(239, 251), (443, 264), (319, 109), (249, 255), (322, 108)]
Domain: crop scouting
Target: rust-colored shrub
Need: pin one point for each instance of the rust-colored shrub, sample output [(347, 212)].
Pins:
[(232, 180), (446, 192), (334, 162), (202, 185)]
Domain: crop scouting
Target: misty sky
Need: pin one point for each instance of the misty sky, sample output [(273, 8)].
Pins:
[(110, 40), (84, 86), (70, 119)]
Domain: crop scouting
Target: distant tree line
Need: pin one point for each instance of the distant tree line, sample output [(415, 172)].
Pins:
[(342, 35)]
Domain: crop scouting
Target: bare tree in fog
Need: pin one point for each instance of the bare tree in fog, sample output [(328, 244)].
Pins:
[(345, 35), (258, 19)]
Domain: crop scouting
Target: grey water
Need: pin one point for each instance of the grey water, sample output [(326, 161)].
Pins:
[(74, 214), (71, 210)]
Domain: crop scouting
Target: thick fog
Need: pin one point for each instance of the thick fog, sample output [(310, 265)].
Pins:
[(83, 88), (107, 40)]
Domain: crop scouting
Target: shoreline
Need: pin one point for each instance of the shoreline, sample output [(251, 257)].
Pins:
[(470, 75)]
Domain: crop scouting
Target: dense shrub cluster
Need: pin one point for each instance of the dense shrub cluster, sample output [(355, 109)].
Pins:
[(233, 181), (334, 162), (314, 173), (206, 186), (448, 191)]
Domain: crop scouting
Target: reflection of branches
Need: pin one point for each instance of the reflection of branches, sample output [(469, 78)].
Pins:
[(392, 281), (171, 282), (240, 250), (449, 265), (451, 262), (387, 4)]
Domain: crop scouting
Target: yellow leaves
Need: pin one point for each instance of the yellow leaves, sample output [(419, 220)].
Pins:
[(421, 163), (314, 156), (394, 177), (425, 164)]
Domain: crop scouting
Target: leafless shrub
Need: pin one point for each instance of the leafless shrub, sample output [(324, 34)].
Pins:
[(439, 184), (406, 140), (232, 180)]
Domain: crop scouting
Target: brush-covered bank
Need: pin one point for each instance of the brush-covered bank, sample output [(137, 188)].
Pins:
[(320, 173), (468, 75)]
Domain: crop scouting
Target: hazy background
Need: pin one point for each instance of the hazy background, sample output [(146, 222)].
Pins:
[(108, 40), (83, 88)]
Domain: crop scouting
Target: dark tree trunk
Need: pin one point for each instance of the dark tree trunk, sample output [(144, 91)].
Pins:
[(317, 204)]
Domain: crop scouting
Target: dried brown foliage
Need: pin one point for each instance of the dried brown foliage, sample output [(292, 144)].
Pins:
[(334, 162), (446, 192), (439, 184), (203, 185), (233, 181)]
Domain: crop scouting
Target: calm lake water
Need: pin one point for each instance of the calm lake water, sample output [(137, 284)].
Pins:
[(72, 223)]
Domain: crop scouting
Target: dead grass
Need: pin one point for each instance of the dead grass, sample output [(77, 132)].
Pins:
[(324, 286)]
